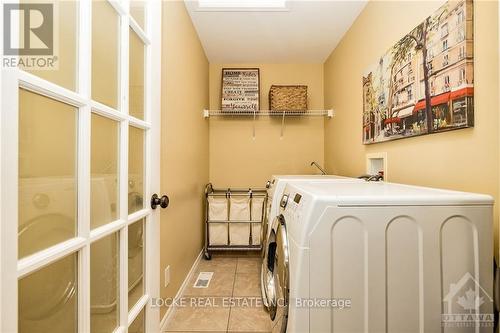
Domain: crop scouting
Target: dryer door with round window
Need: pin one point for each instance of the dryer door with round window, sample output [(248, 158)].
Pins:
[(267, 277), (279, 296)]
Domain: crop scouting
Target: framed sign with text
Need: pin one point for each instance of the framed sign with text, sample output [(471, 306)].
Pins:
[(240, 89)]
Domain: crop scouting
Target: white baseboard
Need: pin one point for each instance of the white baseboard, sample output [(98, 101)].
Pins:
[(171, 309)]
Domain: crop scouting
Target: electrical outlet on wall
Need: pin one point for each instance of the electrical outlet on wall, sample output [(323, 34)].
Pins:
[(166, 275)]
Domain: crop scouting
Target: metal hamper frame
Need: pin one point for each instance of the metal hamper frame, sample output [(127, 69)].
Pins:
[(210, 191)]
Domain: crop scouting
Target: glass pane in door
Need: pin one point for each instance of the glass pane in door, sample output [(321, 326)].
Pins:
[(105, 53), (60, 68), (135, 169), (104, 287), (104, 171), (135, 262), (138, 11), (136, 76), (48, 298), (138, 325), (47, 172)]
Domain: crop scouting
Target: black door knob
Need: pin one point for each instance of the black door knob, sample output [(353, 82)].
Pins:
[(157, 201)]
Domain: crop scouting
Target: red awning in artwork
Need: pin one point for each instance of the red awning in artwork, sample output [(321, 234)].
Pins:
[(468, 91), (440, 99), (419, 106), (435, 100), (392, 120)]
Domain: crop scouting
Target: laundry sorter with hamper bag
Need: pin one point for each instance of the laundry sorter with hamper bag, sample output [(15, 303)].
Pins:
[(233, 219)]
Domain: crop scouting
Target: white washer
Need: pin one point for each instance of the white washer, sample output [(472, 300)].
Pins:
[(135, 192), (403, 256), (48, 211), (47, 208), (275, 192), (104, 252), (277, 185)]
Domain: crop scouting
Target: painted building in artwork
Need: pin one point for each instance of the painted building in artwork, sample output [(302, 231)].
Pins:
[(450, 63), (368, 110), (394, 101), (374, 104), (405, 83)]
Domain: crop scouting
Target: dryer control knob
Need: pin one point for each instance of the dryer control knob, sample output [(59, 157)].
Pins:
[(284, 200), (41, 200)]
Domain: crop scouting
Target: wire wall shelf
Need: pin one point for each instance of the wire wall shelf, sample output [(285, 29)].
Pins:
[(268, 113)]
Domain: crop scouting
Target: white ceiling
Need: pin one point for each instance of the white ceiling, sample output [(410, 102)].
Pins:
[(305, 33)]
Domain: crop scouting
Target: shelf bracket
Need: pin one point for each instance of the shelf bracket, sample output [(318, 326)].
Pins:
[(282, 125), (253, 124)]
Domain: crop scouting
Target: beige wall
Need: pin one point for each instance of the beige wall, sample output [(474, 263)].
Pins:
[(184, 144), (464, 159), (238, 159)]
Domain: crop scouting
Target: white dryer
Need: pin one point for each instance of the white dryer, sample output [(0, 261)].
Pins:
[(381, 257), (274, 193)]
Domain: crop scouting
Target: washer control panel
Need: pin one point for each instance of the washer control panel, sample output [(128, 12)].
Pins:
[(284, 201), (295, 206)]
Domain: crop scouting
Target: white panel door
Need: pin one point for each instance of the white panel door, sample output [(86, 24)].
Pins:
[(79, 143)]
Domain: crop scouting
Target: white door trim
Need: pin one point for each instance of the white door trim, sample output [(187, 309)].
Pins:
[(153, 90), (8, 205)]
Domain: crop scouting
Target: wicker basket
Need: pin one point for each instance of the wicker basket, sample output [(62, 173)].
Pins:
[(288, 98)]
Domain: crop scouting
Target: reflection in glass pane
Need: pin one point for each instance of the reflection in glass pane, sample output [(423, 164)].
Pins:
[(47, 172), (135, 169), (135, 262), (64, 70), (138, 325), (136, 70), (104, 291), (105, 51), (138, 11), (104, 171), (48, 298)]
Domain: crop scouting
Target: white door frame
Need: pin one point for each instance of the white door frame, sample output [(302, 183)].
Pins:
[(153, 91), (10, 80)]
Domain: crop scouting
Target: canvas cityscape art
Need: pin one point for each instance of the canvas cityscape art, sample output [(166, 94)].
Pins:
[(425, 82)]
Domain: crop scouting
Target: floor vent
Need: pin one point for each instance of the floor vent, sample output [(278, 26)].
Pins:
[(203, 280)]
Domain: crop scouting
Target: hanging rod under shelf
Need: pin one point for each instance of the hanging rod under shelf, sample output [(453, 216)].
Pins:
[(269, 113)]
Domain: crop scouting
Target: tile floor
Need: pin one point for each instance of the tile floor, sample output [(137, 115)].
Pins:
[(231, 303)]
